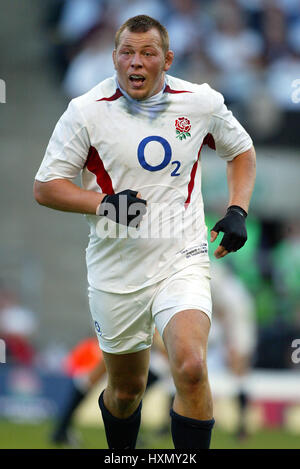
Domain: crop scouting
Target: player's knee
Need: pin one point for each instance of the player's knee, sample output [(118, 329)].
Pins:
[(130, 393), (192, 371), (126, 398)]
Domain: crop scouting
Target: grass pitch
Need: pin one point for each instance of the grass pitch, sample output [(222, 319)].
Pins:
[(37, 436)]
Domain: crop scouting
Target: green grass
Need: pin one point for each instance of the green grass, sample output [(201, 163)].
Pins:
[(36, 436)]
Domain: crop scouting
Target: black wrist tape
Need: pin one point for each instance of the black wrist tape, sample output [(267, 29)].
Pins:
[(238, 209)]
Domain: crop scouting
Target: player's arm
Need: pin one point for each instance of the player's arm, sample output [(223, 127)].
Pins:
[(241, 173), (62, 194), (126, 207), (64, 159)]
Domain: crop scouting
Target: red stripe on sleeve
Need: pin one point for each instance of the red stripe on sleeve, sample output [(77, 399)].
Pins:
[(95, 165), (208, 140), (192, 178)]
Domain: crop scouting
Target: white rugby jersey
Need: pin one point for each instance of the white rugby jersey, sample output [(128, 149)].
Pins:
[(151, 146)]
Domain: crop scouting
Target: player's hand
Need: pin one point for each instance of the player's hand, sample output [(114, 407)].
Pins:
[(233, 225), (126, 208)]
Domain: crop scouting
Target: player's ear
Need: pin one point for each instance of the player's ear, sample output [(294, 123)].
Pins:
[(168, 60), (114, 57)]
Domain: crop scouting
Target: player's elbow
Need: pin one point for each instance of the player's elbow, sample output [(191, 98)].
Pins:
[(39, 192), (252, 156)]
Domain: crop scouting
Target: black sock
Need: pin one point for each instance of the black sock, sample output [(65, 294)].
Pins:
[(243, 402), (190, 433), (59, 434), (120, 433)]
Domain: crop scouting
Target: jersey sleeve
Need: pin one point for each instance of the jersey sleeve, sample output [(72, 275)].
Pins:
[(67, 149), (229, 135)]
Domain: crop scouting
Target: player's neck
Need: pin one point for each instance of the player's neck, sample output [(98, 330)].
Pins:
[(151, 100)]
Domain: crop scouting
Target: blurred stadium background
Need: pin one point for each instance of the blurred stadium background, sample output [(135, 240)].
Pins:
[(54, 50)]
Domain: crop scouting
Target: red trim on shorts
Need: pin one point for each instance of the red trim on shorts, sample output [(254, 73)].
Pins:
[(95, 165), (208, 140), (115, 96), (169, 90)]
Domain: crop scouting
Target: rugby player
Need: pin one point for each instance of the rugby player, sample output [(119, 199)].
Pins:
[(136, 139)]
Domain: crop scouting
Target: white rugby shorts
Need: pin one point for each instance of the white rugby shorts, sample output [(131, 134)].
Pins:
[(125, 322)]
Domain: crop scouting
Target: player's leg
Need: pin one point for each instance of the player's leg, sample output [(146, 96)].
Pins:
[(185, 337), (80, 387), (124, 327), (120, 403), (239, 364), (62, 434), (127, 379)]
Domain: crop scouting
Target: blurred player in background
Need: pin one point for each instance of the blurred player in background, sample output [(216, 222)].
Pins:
[(18, 328), (136, 134), (233, 335), (85, 365)]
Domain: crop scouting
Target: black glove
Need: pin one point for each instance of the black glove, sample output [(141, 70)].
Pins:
[(124, 208), (234, 227)]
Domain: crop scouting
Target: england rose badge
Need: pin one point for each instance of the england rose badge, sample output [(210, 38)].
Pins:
[(183, 127)]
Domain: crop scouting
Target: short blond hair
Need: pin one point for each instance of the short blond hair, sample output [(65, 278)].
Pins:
[(142, 24)]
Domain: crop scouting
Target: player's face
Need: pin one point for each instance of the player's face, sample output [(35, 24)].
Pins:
[(140, 63)]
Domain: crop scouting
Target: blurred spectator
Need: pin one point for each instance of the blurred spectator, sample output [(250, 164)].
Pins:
[(274, 347), (279, 262), (280, 76), (286, 257), (51, 357), (282, 55), (92, 65), (69, 23), (273, 30), (78, 17), (236, 51), (17, 328), (121, 10), (187, 24), (250, 51)]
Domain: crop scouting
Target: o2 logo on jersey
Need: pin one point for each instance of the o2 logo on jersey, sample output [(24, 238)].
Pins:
[(165, 161), (97, 327)]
